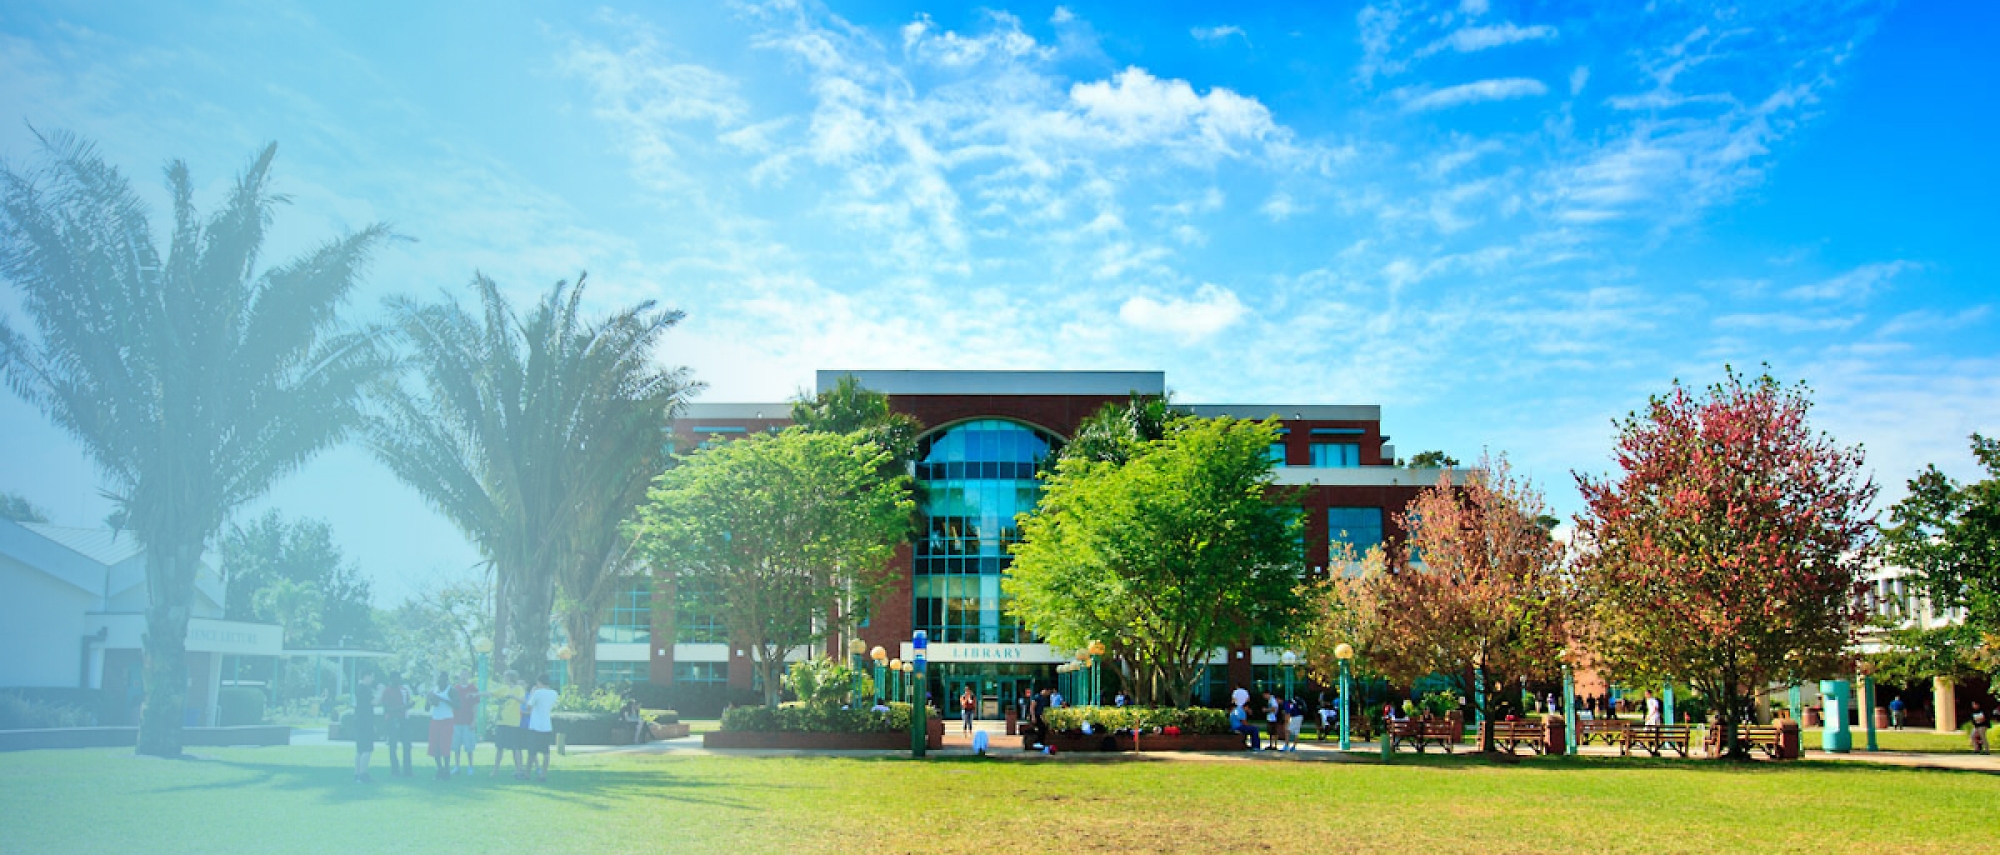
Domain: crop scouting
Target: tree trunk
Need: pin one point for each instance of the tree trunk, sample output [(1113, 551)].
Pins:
[(582, 627), (532, 603), (169, 592)]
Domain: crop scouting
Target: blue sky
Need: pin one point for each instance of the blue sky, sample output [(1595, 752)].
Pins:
[(1506, 223)]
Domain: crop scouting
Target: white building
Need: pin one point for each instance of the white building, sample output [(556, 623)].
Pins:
[(1895, 593), (72, 615)]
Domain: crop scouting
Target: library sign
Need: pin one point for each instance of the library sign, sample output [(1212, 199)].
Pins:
[(1027, 654)]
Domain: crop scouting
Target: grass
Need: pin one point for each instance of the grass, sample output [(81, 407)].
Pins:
[(1908, 739), (302, 800)]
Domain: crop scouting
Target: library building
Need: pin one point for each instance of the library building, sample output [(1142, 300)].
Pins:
[(985, 433)]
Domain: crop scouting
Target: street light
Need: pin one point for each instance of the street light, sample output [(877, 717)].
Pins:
[(1096, 649), (896, 678), (881, 657), (1569, 703), (1343, 652), (857, 650), (1290, 660)]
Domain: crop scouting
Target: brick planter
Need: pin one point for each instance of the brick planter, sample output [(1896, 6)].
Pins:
[(1082, 742), (795, 741)]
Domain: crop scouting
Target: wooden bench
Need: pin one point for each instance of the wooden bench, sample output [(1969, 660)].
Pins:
[(1657, 738), (1763, 737), (1611, 731), (1511, 735), (1418, 733)]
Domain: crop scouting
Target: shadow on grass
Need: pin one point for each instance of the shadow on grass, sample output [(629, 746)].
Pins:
[(586, 787)]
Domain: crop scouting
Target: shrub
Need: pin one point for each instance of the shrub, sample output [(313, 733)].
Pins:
[(1144, 719), (820, 682), (22, 713), (1441, 703), (600, 701), (803, 718), (239, 705)]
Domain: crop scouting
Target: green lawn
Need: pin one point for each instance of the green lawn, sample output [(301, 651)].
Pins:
[(1908, 739), (301, 800)]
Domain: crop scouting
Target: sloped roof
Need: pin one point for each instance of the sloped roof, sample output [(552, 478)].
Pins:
[(101, 545)]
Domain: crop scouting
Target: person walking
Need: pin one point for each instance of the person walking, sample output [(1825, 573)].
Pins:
[(541, 728), (361, 724), (1295, 723), (465, 715), (506, 699), (439, 744), (1978, 731), (1652, 710), (965, 705), (394, 698), (1896, 712)]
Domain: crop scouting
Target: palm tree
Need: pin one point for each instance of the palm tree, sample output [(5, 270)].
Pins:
[(536, 437), (193, 379)]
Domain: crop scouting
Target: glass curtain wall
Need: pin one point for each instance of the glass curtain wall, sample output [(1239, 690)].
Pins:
[(974, 478)]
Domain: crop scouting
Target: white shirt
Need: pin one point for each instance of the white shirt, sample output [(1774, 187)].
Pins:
[(440, 710), (538, 705)]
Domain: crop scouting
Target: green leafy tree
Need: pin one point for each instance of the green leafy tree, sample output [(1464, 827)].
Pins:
[(1949, 533), (1116, 432), (533, 435), (778, 527), (16, 507), (1728, 550), (439, 627), (1432, 460), (193, 377), (1183, 548), (257, 557), (850, 407)]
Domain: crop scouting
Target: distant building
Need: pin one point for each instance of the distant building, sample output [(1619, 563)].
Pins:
[(1894, 595), (984, 435), (73, 616)]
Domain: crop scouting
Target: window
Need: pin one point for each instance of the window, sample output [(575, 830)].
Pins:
[(1328, 455), (623, 672), (630, 618), (1359, 528), (700, 618), (977, 477), (701, 672), (1276, 453)]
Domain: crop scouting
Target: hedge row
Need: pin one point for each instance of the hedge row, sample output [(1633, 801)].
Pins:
[(799, 718), (1144, 719)]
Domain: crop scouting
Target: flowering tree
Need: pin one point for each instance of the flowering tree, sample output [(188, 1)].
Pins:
[(1728, 550), (1491, 594)]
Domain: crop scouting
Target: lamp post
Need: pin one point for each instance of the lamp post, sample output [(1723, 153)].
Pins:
[(1569, 704), (1290, 660), (896, 679), (881, 658), (1096, 649), (1344, 652), (919, 711), (484, 647), (857, 650), (1083, 688), (565, 654)]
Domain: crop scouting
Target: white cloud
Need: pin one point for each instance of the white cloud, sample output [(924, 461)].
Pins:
[(1473, 8), (1500, 89), (1857, 284), (1218, 33), (1281, 206), (1475, 39), (1578, 79), (1137, 108), (1211, 310), (1004, 41)]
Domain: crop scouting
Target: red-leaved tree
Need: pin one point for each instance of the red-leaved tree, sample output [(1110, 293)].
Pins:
[(1727, 552), (1491, 594)]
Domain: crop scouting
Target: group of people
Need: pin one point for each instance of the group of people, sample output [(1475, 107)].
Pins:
[(521, 718), (1283, 719)]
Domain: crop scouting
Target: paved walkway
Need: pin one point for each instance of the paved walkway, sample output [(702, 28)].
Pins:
[(959, 744)]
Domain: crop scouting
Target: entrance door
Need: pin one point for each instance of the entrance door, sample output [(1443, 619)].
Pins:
[(992, 694)]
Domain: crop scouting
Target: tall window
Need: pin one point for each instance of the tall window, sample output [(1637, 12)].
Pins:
[(1336, 454), (1360, 528), (976, 478), (631, 616), (700, 618)]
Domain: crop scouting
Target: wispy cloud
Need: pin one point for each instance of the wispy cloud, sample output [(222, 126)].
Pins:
[(1854, 285), (1475, 39), (1417, 100), (1219, 33), (1211, 310)]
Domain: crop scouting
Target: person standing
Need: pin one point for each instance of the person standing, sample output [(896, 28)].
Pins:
[(537, 708), (465, 715), (1978, 731), (1295, 723), (361, 724), (439, 744), (395, 701), (507, 722), (1652, 710), (1896, 712), (965, 705)]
